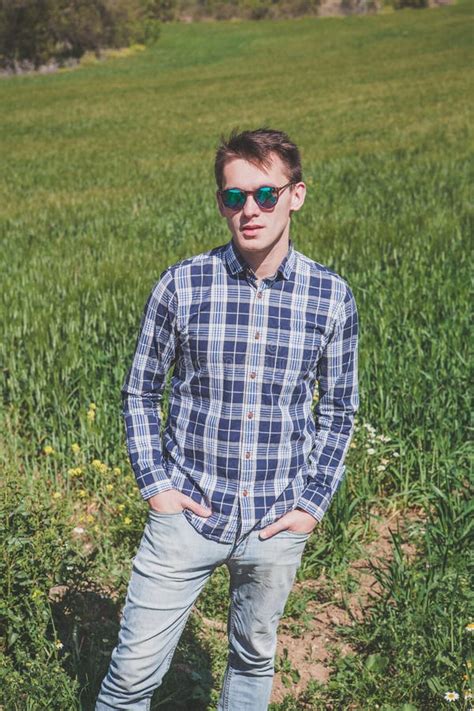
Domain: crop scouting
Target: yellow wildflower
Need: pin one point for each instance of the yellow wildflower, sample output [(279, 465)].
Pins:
[(91, 415), (36, 593), (92, 406), (57, 495), (89, 518), (58, 644), (127, 520), (117, 470), (82, 493), (121, 507), (75, 448), (109, 487), (48, 449), (470, 627)]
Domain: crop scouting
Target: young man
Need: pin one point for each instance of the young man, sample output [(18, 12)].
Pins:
[(243, 473)]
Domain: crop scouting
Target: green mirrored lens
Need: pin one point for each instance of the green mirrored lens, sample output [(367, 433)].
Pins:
[(233, 198), (266, 197)]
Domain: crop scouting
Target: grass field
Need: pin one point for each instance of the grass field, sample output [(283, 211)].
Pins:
[(107, 179)]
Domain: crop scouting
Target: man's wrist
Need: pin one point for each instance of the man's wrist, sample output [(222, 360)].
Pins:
[(298, 508), (147, 492), (316, 510)]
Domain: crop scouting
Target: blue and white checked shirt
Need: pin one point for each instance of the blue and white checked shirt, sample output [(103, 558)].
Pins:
[(240, 436)]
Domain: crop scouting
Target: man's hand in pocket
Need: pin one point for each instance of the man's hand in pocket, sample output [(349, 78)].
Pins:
[(173, 501), (298, 521)]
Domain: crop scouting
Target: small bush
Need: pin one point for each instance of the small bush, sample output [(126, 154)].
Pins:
[(225, 11), (247, 9), (353, 7), (37, 556), (414, 4), (164, 10), (151, 31)]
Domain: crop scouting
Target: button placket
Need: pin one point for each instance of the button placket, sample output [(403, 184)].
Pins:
[(256, 327)]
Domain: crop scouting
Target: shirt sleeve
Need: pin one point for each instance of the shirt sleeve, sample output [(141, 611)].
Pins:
[(142, 390), (337, 404)]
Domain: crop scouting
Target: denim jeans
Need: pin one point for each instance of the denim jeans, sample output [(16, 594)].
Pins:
[(171, 567)]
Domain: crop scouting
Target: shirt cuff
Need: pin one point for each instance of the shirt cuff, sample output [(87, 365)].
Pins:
[(154, 483), (315, 500)]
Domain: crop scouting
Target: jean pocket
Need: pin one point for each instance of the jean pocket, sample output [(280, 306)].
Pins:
[(296, 533), (160, 514)]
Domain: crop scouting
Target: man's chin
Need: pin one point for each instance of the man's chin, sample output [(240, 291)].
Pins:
[(252, 240)]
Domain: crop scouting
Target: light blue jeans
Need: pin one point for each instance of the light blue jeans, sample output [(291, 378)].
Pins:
[(171, 567)]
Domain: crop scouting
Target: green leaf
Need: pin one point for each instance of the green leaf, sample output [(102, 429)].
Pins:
[(12, 637), (376, 663), (435, 684)]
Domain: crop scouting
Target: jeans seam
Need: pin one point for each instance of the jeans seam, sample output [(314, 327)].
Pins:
[(225, 693), (226, 689)]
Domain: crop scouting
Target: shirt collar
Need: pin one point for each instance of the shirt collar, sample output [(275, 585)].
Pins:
[(237, 263)]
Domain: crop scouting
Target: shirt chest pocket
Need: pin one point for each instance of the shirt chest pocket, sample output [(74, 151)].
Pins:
[(293, 350), (211, 340)]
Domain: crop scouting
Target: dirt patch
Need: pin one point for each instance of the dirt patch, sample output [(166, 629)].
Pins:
[(310, 652)]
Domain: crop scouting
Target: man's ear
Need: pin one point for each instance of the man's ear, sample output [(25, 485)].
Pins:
[(298, 195), (219, 204)]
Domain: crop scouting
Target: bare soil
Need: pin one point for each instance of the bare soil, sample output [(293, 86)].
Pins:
[(311, 652)]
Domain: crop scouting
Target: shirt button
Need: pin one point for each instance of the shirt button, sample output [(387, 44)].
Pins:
[(253, 375), (245, 492), (250, 415), (247, 455), (257, 336), (259, 295)]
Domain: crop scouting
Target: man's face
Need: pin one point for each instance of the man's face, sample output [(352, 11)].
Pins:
[(252, 227)]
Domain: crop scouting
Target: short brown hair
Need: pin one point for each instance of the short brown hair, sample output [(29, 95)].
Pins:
[(256, 147)]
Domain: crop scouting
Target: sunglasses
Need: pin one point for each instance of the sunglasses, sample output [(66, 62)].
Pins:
[(266, 197)]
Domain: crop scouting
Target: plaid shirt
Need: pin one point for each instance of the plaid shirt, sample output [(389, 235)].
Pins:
[(240, 436)]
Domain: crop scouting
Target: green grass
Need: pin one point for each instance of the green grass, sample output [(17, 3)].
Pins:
[(108, 178)]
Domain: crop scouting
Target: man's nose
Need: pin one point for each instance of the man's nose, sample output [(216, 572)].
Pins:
[(251, 207)]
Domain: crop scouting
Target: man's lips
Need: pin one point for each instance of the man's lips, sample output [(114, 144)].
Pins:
[(251, 228)]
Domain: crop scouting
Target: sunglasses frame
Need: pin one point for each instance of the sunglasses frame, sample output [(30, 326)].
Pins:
[(253, 194)]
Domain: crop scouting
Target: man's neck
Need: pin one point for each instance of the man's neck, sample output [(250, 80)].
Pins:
[(265, 265)]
